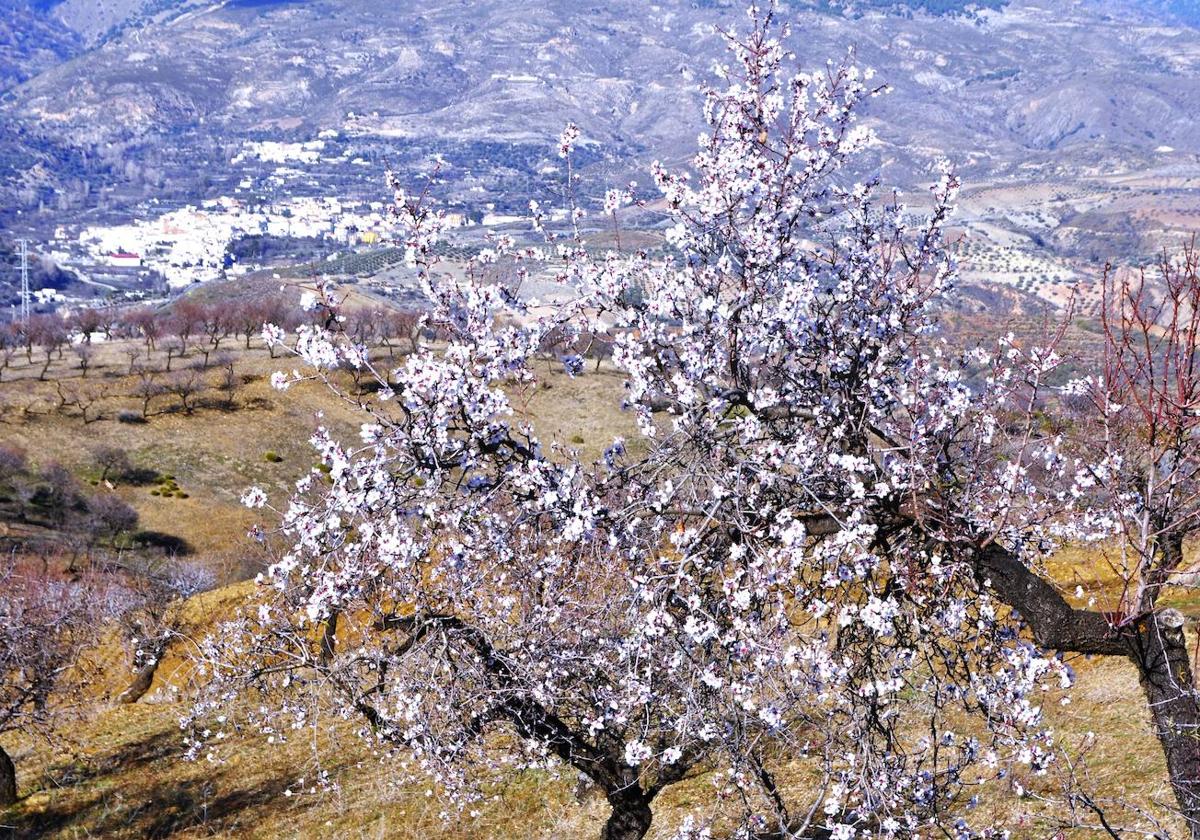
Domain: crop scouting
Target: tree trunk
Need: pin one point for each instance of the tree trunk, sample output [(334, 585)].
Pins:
[(1166, 676), (1169, 558), (631, 815), (8, 780), (143, 678), (329, 638)]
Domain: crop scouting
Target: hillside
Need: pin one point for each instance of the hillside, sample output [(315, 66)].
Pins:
[(1070, 123), (31, 42), (117, 770), (121, 775), (247, 434), (1022, 78)]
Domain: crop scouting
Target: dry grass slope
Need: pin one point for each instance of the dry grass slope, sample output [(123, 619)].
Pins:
[(118, 773)]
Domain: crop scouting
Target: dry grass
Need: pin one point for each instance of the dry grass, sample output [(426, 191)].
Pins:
[(215, 453), (120, 774)]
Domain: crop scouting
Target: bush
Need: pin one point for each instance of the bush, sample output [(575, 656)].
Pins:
[(109, 516), (127, 416), (272, 457), (12, 461)]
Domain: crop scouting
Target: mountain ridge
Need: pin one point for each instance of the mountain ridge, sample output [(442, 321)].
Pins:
[(165, 104)]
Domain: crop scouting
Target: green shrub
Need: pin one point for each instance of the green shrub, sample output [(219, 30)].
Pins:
[(272, 457)]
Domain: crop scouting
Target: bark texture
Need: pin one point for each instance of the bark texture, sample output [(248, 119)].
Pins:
[(143, 677), (1161, 655), (631, 815), (1154, 642), (8, 780)]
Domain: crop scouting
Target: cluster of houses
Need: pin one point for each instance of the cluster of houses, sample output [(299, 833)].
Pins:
[(191, 244)]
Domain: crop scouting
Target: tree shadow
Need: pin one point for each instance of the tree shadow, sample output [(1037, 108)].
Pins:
[(171, 545), (214, 804), (258, 404), (153, 748), (141, 477)]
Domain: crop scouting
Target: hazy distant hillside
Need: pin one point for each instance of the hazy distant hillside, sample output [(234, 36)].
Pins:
[(934, 7), (31, 42), (1036, 75), (1068, 87), (96, 20)]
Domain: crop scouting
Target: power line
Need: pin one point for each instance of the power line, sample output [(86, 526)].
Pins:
[(25, 295)]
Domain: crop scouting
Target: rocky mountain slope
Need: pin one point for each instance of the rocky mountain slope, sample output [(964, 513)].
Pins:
[(1035, 76), (30, 42), (1031, 89)]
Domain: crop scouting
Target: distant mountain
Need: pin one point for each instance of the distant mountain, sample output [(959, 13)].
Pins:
[(31, 42), (932, 7), (145, 88), (1186, 11)]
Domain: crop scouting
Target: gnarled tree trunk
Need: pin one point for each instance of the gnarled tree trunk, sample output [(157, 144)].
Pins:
[(143, 678), (631, 815), (8, 780), (1161, 655)]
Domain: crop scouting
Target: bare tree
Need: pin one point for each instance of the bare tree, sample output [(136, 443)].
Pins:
[(147, 388), (402, 325), (186, 384), (157, 621), (80, 397), (187, 318), (175, 348), (247, 318), (86, 321), (108, 516), (25, 335), (147, 323), (226, 380), (46, 622), (217, 324), (1138, 438), (7, 352), (108, 317), (111, 461), (59, 493), (83, 352), (281, 315), (50, 333), (132, 353)]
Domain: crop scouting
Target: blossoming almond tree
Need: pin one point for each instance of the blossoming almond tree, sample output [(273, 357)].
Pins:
[(794, 581)]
